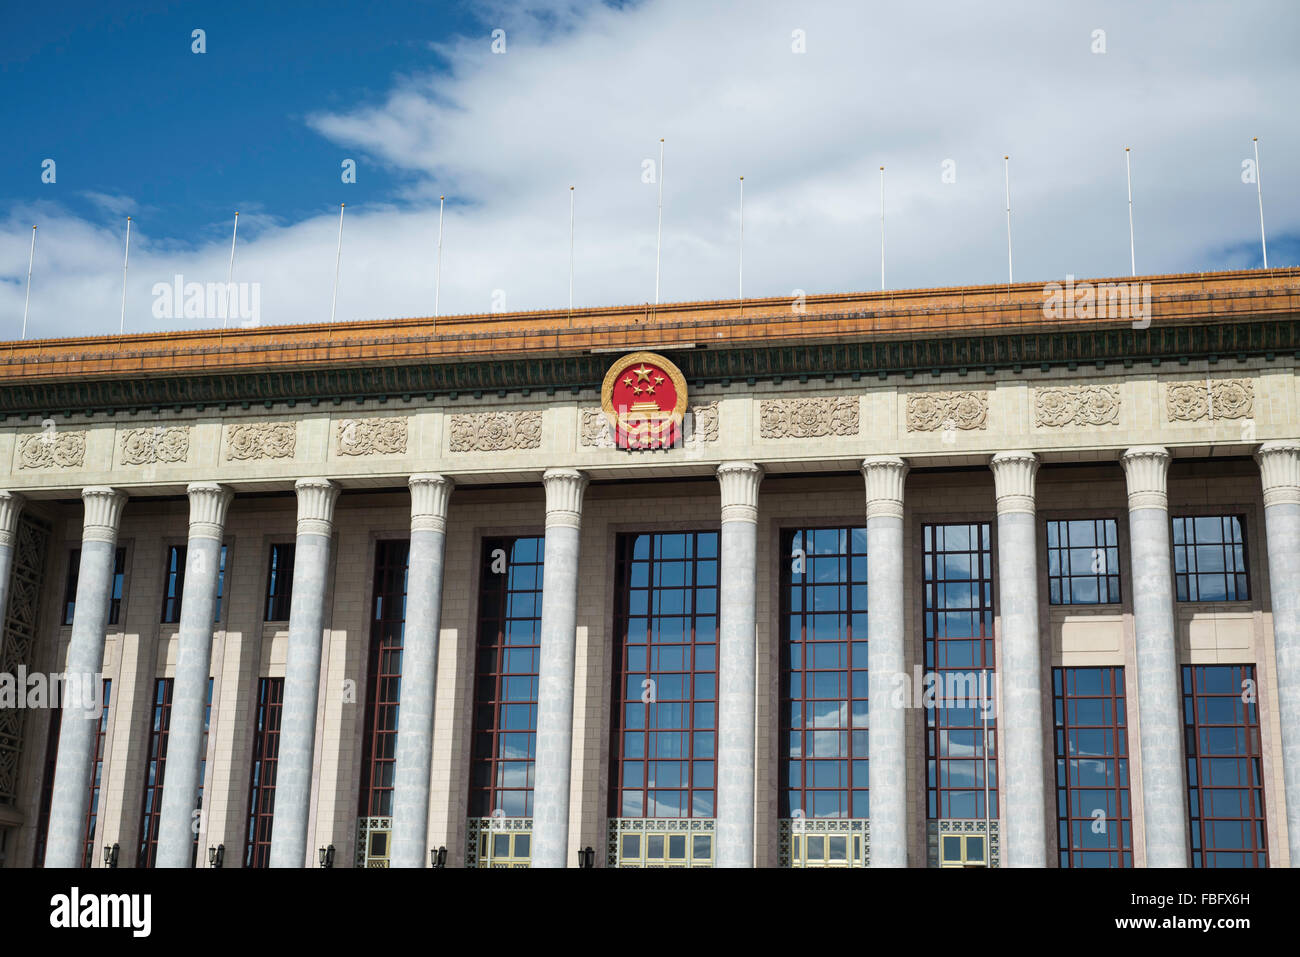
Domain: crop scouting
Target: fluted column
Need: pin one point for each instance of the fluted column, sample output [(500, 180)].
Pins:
[(85, 660), (738, 585), (294, 772), (1279, 465), (208, 505), (11, 506), (1020, 724), (564, 491), (429, 497), (885, 477), (1164, 779)]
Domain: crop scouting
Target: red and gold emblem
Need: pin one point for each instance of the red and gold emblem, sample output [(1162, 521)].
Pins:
[(644, 398)]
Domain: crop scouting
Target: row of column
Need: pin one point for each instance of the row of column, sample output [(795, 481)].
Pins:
[(1025, 808)]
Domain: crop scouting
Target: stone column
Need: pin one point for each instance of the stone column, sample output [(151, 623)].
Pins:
[(85, 660), (176, 824), (1279, 465), (1160, 705), (885, 477), (564, 491), (1020, 724), (737, 588), (11, 506), (429, 495), (294, 771)]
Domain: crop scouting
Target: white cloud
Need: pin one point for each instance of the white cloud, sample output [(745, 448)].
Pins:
[(584, 92)]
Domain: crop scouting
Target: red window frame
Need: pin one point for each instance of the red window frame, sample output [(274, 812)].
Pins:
[(823, 643), (151, 805), (506, 676), (947, 619), (387, 625), (1213, 711), (665, 630), (1091, 715), (261, 782)]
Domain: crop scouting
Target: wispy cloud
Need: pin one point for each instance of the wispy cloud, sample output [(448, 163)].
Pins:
[(584, 91)]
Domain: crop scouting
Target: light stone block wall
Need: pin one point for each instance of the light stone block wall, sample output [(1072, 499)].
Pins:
[(245, 648)]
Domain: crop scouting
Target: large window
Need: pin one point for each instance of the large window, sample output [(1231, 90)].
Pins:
[(173, 584), (1083, 562), (1210, 558), (203, 766), (261, 788), (958, 604), (824, 673), (96, 781), (1225, 781), (70, 590), (666, 660), (387, 622), (505, 689), (151, 806), (279, 582), (1094, 818)]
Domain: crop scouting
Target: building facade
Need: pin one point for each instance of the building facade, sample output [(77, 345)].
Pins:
[(932, 578)]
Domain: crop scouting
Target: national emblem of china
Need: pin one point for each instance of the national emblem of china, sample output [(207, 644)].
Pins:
[(644, 398)]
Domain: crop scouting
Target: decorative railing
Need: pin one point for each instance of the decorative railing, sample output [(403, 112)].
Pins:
[(960, 842), (499, 842), (374, 841), (824, 842), (659, 842)]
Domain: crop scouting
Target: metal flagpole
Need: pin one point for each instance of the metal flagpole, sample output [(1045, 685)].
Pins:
[(30, 256), (1007, 160), (338, 257), (1259, 189), (230, 271), (984, 718), (659, 239), (882, 228), (742, 239), (1132, 254), (437, 275), (121, 327), (570, 250)]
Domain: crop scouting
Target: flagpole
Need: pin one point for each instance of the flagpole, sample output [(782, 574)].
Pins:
[(742, 238), (659, 238), (882, 229), (570, 250), (121, 328), (338, 257), (30, 256), (1259, 189), (1132, 253), (230, 271), (1010, 276), (437, 276)]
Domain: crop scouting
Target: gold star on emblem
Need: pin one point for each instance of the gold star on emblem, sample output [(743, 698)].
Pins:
[(659, 380), (627, 381), (643, 373)]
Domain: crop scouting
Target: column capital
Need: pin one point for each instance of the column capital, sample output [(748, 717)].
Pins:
[(429, 496), (739, 481), (103, 512), (564, 491), (208, 504), (316, 498), (1013, 481), (11, 506), (1146, 467), (885, 476), (1279, 467)]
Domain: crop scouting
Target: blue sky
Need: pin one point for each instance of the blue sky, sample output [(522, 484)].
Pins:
[(806, 100)]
